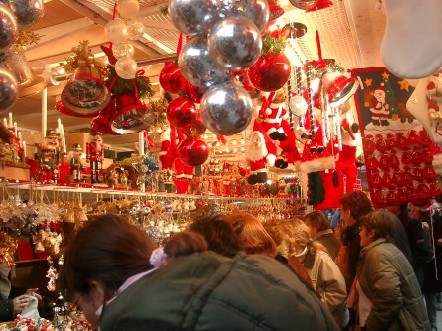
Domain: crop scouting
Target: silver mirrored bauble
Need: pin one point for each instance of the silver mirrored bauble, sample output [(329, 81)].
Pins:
[(235, 43), (8, 28), (8, 89), (194, 17), (304, 4), (27, 12), (198, 67), (226, 109), (255, 10)]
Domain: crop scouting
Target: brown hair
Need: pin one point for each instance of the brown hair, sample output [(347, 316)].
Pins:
[(252, 234), (380, 222), (318, 220), (219, 235), (357, 202), (185, 243), (108, 249)]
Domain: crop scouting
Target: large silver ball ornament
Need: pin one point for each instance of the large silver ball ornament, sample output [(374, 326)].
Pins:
[(226, 109), (194, 17), (235, 43), (27, 12), (255, 10), (198, 67), (8, 89), (8, 28)]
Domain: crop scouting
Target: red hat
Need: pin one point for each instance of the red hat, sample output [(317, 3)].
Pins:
[(426, 205)]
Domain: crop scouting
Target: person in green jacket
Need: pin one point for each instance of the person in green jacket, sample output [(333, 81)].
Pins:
[(107, 273), (389, 293)]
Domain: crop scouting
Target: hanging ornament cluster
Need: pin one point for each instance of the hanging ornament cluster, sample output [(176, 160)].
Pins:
[(119, 31), (14, 16), (85, 94), (226, 36), (145, 166)]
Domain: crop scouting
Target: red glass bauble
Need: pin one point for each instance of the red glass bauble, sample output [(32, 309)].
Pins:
[(194, 151), (172, 80), (198, 126), (270, 72), (244, 79), (195, 92), (181, 113)]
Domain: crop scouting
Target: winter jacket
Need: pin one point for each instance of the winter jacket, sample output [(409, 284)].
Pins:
[(328, 239), (206, 291), (328, 282), (388, 280)]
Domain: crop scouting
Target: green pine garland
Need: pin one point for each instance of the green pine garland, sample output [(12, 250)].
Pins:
[(272, 45), (125, 85)]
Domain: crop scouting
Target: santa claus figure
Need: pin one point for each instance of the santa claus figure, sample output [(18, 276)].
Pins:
[(165, 155), (434, 99), (258, 154), (347, 156), (271, 115), (95, 155), (380, 108)]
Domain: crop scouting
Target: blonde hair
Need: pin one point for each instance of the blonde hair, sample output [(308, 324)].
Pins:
[(251, 232), (292, 236)]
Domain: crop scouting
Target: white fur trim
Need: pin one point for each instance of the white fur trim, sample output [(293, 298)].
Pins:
[(319, 164), (268, 111), (270, 158)]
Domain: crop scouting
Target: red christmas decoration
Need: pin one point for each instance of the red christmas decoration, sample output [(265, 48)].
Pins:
[(270, 72), (181, 113), (194, 151), (172, 80)]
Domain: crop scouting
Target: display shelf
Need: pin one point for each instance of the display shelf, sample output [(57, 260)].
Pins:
[(91, 193)]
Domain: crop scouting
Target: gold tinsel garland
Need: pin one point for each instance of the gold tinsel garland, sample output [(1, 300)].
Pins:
[(27, 38), (83, 56), (8, 246), (271, 44)]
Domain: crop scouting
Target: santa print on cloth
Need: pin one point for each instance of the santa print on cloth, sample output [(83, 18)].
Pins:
[(398, 151)]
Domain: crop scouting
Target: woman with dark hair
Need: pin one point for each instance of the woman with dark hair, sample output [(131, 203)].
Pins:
[(321, 232), (107, 273), (389, 294)]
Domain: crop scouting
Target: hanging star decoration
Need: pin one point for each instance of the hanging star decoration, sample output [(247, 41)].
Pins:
[(368, 82), (404, 85)]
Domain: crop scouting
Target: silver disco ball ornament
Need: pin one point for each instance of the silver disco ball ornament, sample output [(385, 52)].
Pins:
[(226, 109)]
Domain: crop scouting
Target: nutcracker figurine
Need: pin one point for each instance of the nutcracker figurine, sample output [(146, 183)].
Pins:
[(48, 164), (95, 155), (76, 163)]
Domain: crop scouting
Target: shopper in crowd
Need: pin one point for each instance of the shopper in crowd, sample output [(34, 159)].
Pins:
[(296, 244), (321, 232), (273, 229), (354, 205), (106, 272), (13, 300), (430, 214), (419, 239), (180, 244), (250, 231), (388, 290), (219, 235)]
